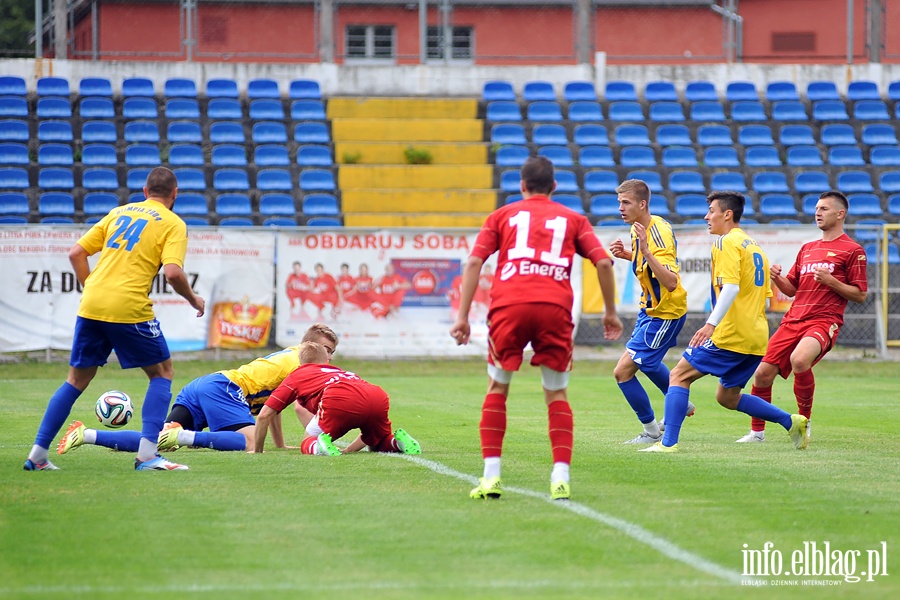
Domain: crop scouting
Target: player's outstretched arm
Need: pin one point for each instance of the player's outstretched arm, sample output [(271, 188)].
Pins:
[(178, 280), (78, 256), (277, 431), (354, 446), (461, 330), (612, 325), (263, 420)]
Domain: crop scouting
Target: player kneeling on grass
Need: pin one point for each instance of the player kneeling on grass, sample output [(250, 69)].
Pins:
[(340, 401)]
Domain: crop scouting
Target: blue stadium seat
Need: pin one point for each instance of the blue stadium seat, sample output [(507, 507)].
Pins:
[(227, 132), (691, 205), (789, 110), (560, 156), (700, 91), (838, 135), (12, 86), (610, 223), (273, 155), (605, 205), (142, 155), (13, 178), (804, 156), (747, 110), (811, 182), (889, 182), (637, 157), (885, 156), (323, 222), (236, 222), (190, 180), (535, 91), (233, 205), (728, 180), (512, 198), (549, 135), (599, 182), (196, 221), (796, 135), (620, 90), (263, 88), (822, 90), (311, 133), (512, 155), (871, 110), (13, 106), (229, 155), (179, 87), (846, 156), (632, 135), (100, 179), (510, 181), (808, 203), (304, 89), (864, 205), (317, 180), (97, 131), (566, 182), (679, 156), (139, 108), (13, 130), (16, 154), (673, 135), (739, 91), (277, 205), (136, 179), (570, 201), (770, 182), (830, 110), (96, 108), (182, 108), (873, 254), (508, 133), (851, 182), (186, 155), (57, 221), (789, 222), (280, 222), (136, 196), (591, 135), (777, 205), (625, 111), (307, 110), (191, 204), (659, 206), (498, 90), (232, 180), (184, 131), (503, 110), (870, 229), (862, 90), (666, 111), (577, 91), (596, 156), (272, 110), (718, 157), (777, 91), (878, 134), (320, 204), (55, 155), (53, 86), (660, 91), (714, 135), (224, 109), (13, 203), (585, 110), (755, 135), (544, 111), (893, 90), (893, 204), (221, 88), (137, 87), (99, 203), (762, 156), (56, 178), (684, 182), (651, 178), (54, 108), (142, 131), (314, 156), (269, 132)]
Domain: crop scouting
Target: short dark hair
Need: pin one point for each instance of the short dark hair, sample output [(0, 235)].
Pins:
[(161, 183), (728, 200), (636, 188), (837, 196), (538, 176)]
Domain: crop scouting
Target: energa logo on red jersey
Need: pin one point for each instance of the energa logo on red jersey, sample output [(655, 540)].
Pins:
[(526, 267)]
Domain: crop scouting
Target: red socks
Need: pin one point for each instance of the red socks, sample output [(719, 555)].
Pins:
[(493, 425), (765, 394), (559, 415), (804, 388), (308, 445)]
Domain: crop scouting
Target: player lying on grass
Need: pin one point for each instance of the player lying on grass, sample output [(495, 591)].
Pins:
[(224, 402), (335, 401)]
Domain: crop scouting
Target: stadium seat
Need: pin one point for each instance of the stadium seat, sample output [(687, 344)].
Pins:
[(770, 182), (323, 222), (811, 182), (232, 180), (273, 155), (12, 106), (620, 90), (625, 111), (56, 178), (221, 88), (838, 135), (893, 91), (320, 205), (566, 182), (269, 132), (673, 135), (862, 90), (139, 108), (304, 89), (873, 254), (885, 156), (822, 90), (53, 86), (57, 221), (851, 182), (846, 156), (578, 91), (236, 222), (196, 221), (142, 131), (55, 155), (307, 110), (224, 109), (878, 134), (889, 182), (684, 182), (777, 91), (789, 110), (186, 155), (13, 203), (498, 90), (637, 157), (311, 133), (718, 157), (142, 155), (700, 91), (508, 133), (632, 135), (13, 178), (660, 91), (651, 178), (869, 229), (511, 155), (679, 156), (755, 135), (97, 131), (796, 135), (16, 154), (605, 205), (748, 111), (272, 110), (53, 108), (864, 205), (100, 179), (893, 204), (96, 108), (136, 196), (560, 156), (314, 156), (830, 110), (808, 203), (804, 156), (137, 87), (13, 130), (777, 205), (666, 111), (191, 204), (182, 108), (590, 135), (280, 222), (543, 111), (762, 156), (263, 88), (788, 222), (728, 180), (503, 110), (12, 86), (136, 179), (585, 110), (659, 206), (535, 91), (190, 180), (229, 155), (99, 203), (180, 88), (691, 205), (317, 180), (598, 182), (510, 181), (233, 205), (570, 201), (549, 135), (739, 91), (707, 111), (227, 132), (714, 135), (277, 205), (591, 157), (871, 110), (184, 131)]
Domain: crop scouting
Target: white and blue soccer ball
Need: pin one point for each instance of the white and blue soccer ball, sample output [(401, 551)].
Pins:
[(114, 409)]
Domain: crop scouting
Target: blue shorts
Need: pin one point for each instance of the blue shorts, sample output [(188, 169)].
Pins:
[(216, 402), (732, 368), (136, 344), (651, 338)]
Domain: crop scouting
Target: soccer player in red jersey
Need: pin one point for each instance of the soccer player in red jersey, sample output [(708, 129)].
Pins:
[(392, 288), (298, 288), (334, 402), (325, 291), (531, 301), (826, 274), (363, 290), (346, 284)]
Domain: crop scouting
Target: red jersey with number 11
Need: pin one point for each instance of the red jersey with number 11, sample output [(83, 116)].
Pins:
[(536, 240)]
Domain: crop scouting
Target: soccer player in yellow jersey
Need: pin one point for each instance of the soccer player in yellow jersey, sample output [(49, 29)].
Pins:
[(734, 339), (115, 313), (663, 304)]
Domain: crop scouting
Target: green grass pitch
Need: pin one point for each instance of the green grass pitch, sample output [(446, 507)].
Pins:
[(283, 525)]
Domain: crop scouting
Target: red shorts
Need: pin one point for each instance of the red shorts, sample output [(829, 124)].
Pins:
[(360, 406), (548, 327), (788, 335), (302, 296), (320, 300)]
